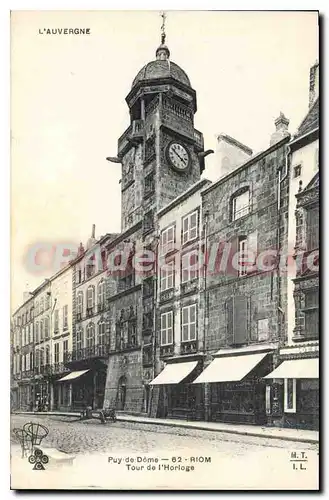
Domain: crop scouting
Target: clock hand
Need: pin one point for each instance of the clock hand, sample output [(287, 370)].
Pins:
[(179, 156)]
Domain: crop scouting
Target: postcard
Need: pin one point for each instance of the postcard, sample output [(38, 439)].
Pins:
[(165, 250)]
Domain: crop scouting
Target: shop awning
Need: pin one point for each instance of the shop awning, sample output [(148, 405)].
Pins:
[(72, 375), (173, 373), (296, 368), (230, 368)]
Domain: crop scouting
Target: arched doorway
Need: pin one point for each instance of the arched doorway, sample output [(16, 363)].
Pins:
[(121, 394)]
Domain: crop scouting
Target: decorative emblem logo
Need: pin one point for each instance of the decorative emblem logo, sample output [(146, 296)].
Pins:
[(38, 458)]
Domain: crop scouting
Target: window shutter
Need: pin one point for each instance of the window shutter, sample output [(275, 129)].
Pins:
[(232, 265), (240, 320), (229, 320)]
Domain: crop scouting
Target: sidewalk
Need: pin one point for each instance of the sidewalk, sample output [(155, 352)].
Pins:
[(300, 435)]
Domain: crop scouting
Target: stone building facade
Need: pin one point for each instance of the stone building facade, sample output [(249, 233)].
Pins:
[(179, 341), (244, 312)]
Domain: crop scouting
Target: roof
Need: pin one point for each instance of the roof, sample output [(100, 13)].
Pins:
[(311, 120), (161, 69)]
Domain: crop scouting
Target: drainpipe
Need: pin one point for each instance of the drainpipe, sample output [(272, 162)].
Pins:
[(206, 309), (282, 177), (155, 297)]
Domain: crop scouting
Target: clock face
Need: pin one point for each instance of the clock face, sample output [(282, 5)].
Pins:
[(178, 156)]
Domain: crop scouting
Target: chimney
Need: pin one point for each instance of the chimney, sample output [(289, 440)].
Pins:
[(81, 249), (93, 231), (281, 126), (314, 83), (229, 155)]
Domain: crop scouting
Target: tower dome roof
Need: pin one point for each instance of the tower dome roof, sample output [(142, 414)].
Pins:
[(161, 68)]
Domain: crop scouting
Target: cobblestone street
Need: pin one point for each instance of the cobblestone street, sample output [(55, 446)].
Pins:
[(238, 458)]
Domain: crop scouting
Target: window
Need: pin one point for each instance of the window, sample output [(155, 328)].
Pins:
[(37, 331), (65, 317), (189, 323), (90, 298), (31, 314), (101, 333), (56, 352), (290, 395), (37, 358), (79, 276), (167, 328), (27, 362), (189, 266), (79, 339), (312, 228), (41, 330), (42, 357), (167, 240), (311, 312), (297, 170), (56, 320), (80, 303), (47, 360), (65, 350), (46, 327), (31, 361), (23, 363), (240, 205), (237, 311), (262, 329), (31, 334), (101, 294), (91, 335), (243, 252), (190, 227), (167, 275), (41, 306), (36, 308)]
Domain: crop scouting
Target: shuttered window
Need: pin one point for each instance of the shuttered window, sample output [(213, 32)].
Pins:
[(237, 312), (312, 230)]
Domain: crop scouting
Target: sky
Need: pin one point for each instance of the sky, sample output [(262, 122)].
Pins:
[(68, 106)]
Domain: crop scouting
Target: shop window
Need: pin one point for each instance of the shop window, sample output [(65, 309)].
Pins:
[(167, 328), (290, 395), (190, 227)]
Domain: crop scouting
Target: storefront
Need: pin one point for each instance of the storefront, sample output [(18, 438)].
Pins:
[(298, 382), (236, 385), (81, 388), (178, 397)]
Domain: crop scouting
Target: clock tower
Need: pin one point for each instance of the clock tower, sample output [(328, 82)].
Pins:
[(160, 152)]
